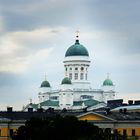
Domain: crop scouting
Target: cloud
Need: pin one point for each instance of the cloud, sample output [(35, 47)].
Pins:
[(19, 49)]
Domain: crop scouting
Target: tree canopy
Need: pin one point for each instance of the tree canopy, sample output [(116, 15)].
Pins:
[(61, 128)]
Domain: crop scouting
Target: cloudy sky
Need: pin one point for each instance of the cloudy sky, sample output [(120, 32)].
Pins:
[(34, 36)]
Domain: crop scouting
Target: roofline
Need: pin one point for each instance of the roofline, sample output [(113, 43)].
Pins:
[(95, 114)]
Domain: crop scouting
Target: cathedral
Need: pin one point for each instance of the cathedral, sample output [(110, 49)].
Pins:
[(75, 91)]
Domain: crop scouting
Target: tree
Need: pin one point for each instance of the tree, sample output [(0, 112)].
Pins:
[(60, 128)]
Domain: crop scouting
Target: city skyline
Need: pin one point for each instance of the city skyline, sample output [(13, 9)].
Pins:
[(34, 37)]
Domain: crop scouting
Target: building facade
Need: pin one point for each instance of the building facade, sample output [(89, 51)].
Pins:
[(127, 124), (75, 91)]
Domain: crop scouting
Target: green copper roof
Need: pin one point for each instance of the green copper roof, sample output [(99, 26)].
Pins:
[(35, 106), (66, 80), (46, 103), (77, 103), (45, 84), (91, 102), (77, 50), (107, 82), (50, 103)]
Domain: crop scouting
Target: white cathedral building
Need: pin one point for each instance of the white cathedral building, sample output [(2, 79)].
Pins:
[(75, 91)]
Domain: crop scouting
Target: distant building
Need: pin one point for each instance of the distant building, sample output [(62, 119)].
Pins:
[(75, 91)]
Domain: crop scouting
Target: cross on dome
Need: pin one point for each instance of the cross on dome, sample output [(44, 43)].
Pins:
[(108, 75), (77, 35)]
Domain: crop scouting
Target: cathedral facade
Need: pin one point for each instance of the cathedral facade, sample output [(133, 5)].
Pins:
[(75, 91)]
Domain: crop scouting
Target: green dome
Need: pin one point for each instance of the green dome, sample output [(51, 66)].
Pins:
[(66, 80), (107, 82), (77, 50), (45, 84)]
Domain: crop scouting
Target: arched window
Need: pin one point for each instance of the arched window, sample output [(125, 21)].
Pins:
[(82, 68)]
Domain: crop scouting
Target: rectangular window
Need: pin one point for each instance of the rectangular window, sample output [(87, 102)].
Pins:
[(11, 132), (76, 76), (133, 132), (86, 76), (70, 76), (81, 76), (124, 132)]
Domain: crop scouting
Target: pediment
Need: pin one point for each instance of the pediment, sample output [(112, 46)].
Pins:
[(92, 116)]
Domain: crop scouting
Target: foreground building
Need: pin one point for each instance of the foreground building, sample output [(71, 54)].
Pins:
[(75, 91), (127, 123)]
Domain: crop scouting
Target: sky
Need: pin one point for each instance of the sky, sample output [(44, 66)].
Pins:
[(34, 36)]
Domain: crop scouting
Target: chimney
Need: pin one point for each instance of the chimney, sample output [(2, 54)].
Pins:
[(9, 109), (30, 109), (108, 111), (130, 102)]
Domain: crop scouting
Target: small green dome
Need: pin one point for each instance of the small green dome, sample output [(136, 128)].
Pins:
[(45, 84), (66, 80), (77, 50), (107, 82)]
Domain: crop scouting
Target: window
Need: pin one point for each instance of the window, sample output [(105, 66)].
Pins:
[(11, 132), (70, 75), (66, 69), (124, 132), (76, 76), (86, 76), (76, 68), (86, 97), (81, 76), (70, 68), (53, 97), (133, 132), (82, 68)]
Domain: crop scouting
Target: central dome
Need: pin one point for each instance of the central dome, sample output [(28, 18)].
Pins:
[(77, 50)]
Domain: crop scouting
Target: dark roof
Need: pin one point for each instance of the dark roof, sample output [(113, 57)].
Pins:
[(19, 115)]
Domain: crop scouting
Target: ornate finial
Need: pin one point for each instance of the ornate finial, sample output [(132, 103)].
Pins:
[(77, 35), (45, 76), (108, 75)]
